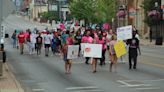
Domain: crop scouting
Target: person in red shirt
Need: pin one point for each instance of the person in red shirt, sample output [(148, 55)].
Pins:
[(21, 39)]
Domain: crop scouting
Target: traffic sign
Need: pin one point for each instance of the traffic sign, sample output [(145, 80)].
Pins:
[(2, 31)]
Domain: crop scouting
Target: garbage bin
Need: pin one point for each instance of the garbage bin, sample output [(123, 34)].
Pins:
[(6, 35), (159, 41)]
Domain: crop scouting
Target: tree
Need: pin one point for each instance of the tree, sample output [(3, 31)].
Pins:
[(106, 10), (51, 15), (94, 11)]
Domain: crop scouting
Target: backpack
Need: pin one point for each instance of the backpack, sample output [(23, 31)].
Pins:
[(13, 36)]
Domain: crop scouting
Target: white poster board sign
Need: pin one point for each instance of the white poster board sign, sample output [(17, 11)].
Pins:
[(93, 50), (73, 51), (82, 45), (124, 33)]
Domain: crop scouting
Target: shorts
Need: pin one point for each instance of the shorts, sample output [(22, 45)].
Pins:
[(46, 45)]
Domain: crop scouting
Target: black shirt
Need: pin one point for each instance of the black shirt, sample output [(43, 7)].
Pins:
[(39, 40)]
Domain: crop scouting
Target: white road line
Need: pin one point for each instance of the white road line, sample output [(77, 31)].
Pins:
[(144, 80), (123, 82), (136, 85), (90, 91), (148, 88), (37, 90), (80, 88)]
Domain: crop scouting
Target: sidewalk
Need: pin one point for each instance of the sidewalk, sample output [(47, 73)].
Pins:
[(8, 82), (146, 42)]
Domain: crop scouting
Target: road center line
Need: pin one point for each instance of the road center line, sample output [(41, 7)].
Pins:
[(90, 91), (136, 85), (148, 88), (144, 80), (37, 90), (80, 88), (123, 82)]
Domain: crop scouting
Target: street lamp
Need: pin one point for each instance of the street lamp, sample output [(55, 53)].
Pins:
[(159, 38), (157, 16)]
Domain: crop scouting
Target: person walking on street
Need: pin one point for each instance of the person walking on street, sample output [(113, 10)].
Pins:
[(33, 41), (21, 39), (14, 39), (108, 39), (39, 41), (28, 40), (133, 50), (47, 43), (102, 40), (113, 53), (87, 39), (68, 62)]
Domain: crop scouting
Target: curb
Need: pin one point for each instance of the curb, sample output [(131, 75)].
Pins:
[(19, 88)]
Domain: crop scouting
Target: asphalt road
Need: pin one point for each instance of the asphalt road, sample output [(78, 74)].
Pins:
[(41, 74)]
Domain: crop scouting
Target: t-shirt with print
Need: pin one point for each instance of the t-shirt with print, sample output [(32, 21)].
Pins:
[(39, 40), (47, 39), (133, 43), (21, 38)]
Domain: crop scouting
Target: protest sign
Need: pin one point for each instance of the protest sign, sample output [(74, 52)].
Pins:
[(93, 50), (73, 51), (120, 48), (124, 33)]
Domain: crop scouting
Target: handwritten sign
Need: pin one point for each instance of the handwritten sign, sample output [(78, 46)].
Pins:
[(124, 33)]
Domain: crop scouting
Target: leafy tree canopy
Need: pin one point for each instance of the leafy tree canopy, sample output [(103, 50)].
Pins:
[(95, 11)]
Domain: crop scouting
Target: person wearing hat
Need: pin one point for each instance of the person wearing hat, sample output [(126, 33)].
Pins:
[(133, 50)]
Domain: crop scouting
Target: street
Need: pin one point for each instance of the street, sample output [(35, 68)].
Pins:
[(46, 74)]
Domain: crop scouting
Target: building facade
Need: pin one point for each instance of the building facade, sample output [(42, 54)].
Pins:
[(134, 15)]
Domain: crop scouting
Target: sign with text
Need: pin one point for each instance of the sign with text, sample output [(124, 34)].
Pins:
[(120, 48), (93, 50), (124, 33), (73, 51)]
